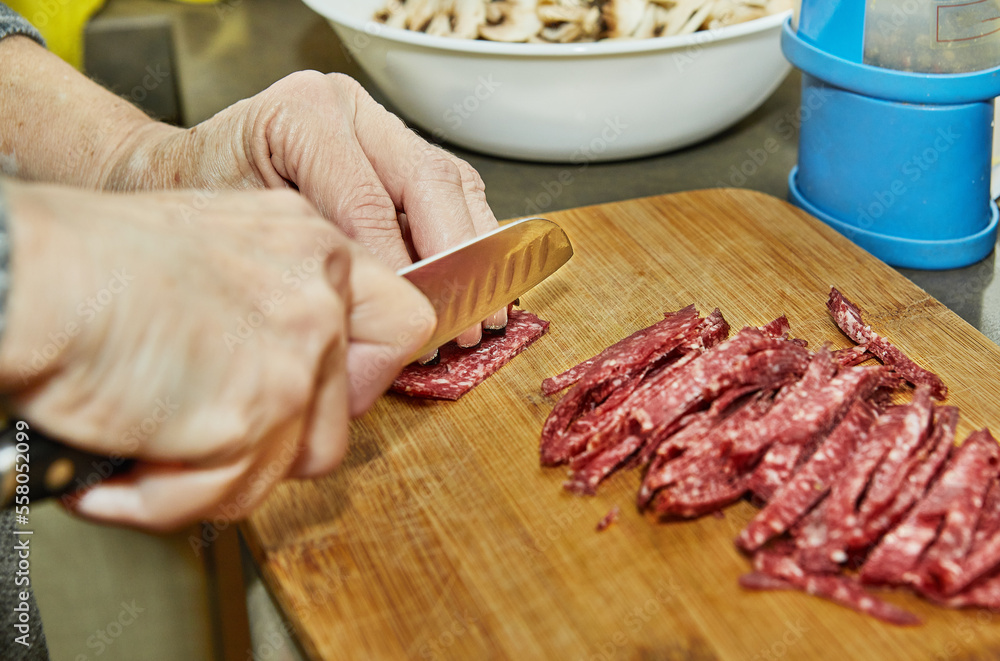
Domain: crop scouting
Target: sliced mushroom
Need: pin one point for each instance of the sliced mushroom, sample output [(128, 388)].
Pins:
[(419, 13), (440, 25), (623, 17), (680, 14), (467, 17), (518, 21), (700, 17), (562, 33), (647, 26)]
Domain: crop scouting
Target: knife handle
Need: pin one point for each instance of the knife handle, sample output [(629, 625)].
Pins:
[(46, 468)]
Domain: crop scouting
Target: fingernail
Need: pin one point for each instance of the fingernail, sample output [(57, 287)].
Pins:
[(470, 337), (429, 359), (496, 323)]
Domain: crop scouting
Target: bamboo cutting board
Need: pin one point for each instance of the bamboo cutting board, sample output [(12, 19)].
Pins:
[(441, 537)]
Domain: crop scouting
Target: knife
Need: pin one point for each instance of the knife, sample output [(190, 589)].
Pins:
[(464, 284)]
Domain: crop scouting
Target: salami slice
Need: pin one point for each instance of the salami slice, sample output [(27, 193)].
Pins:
[(812, 482), (923, 467), (461, 370), (840, 589), (849, 319), (965, 478), (636, 350), (612, 376)]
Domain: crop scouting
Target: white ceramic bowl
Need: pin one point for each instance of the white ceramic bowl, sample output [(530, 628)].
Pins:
[(574, 103)]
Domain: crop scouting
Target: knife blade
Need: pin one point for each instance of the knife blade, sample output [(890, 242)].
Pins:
[(467, 283), (464, 284)]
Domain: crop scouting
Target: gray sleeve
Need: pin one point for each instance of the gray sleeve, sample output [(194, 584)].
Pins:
[(12, 23)]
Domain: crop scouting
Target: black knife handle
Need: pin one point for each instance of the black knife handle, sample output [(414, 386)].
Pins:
[(37, 466)]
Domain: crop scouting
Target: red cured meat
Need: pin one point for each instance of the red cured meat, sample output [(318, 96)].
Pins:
[(989, 519), (984, 594), (960, 506), (601, 389), (774, 470), (848, 318), (851, 356), (908, 434), (609, 519), (656, 407), (951, 501), (461, 370), (756, 580), (633, 351), (923, 467), (840, 589), (812, 482)]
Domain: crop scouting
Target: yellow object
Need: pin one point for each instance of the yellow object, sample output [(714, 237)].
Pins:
[(61, 22)]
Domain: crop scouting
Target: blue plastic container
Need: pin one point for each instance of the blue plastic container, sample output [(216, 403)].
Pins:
[(896, 160)]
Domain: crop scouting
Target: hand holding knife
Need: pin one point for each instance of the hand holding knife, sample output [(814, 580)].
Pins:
[(464, 284)]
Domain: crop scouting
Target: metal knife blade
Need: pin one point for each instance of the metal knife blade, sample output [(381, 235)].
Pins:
[(474, 279)]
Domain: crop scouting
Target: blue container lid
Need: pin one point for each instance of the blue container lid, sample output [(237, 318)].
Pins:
[(888, 84), (908, 253)]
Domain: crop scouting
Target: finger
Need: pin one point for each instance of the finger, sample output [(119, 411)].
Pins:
[(162, 498), (325, 433), (389, 320), (158, 497), (423, 181)]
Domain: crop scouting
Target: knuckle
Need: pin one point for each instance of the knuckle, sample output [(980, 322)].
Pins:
[(471, 179), (439, 168), (368, 205)]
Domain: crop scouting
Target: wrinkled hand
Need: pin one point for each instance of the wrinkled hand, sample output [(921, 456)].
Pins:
[(383, 185), (224, 351)]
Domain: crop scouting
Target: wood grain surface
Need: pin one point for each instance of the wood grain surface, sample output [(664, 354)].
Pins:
[(441, 537)]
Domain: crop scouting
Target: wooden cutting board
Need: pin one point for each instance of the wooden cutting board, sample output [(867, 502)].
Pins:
[(441, 537)]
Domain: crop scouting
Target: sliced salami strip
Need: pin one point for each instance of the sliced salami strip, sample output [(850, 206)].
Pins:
[(839, 589), (774, 470), (756, 580), (655, 408), (636, 350), (922, 469), (903, 430), (953, 497), (960, 508), (984, 594), (707, 450), (812, 482), (595, 399), (989, 520), (461, 370), (806, 412), (851, 356), (848, 317)]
